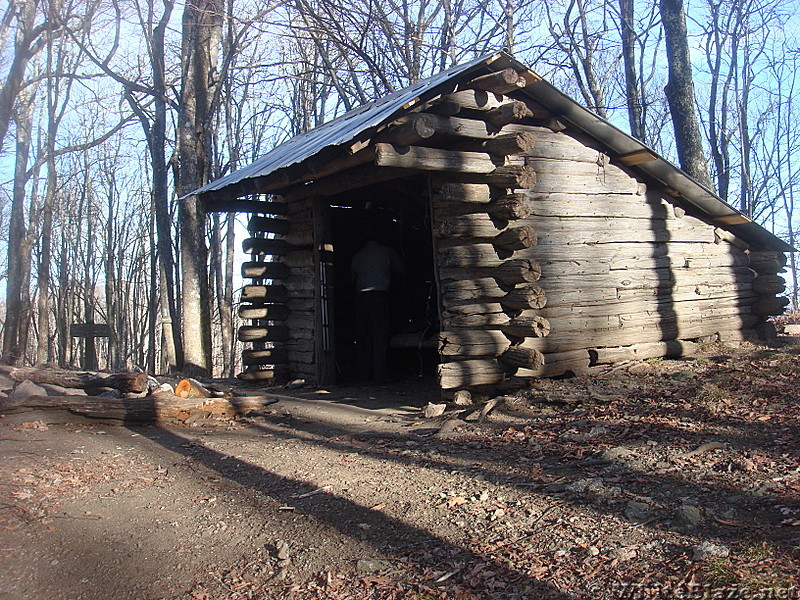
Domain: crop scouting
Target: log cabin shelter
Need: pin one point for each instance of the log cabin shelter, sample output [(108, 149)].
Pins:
[(539, 239)]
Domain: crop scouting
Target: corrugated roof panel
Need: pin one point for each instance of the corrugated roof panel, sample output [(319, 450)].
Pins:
[(343, 129)]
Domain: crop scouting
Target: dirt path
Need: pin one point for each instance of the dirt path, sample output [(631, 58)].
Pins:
[(670, 475)]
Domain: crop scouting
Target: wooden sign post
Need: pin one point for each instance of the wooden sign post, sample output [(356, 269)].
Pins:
[(89, 331)]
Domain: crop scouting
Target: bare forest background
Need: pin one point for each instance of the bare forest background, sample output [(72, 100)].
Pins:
[(112, 110)]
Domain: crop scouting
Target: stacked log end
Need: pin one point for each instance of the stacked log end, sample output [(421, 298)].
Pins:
[(265, 302), (486, 279), (767, 285)]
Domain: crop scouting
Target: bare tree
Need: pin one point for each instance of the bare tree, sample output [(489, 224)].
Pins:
[(202, 30), (18, 238), (680, 92), (582, 38), (29, 40)]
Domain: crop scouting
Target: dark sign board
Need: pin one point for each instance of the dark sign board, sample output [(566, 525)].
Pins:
[(89, 330)]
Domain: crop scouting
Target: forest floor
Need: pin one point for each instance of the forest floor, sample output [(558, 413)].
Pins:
[(660, 479)]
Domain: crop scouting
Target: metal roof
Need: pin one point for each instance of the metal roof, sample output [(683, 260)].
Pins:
[(363, 121), (343, 129)]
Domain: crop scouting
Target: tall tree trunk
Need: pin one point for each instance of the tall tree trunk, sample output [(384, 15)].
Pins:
[(158, 144), (508, 10), (680, 92), (43, 350), (112, 298), (633, 96), (89, 345), (220, 280), (202, 30), (18, 254), (152, 304)]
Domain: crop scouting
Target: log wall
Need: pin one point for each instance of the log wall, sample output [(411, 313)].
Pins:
[(567, 260)]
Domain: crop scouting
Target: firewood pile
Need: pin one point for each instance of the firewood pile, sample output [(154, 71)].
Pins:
[(135, 398)]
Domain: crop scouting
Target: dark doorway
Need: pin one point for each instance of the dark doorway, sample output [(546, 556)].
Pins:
[(398, 213)]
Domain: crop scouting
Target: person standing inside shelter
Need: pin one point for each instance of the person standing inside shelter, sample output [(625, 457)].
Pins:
[(372, 269)]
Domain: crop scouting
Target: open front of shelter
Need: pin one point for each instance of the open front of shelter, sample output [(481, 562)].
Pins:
[(538, 239)]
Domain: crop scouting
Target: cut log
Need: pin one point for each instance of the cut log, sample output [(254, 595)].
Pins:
[(517, 238), (469, 255), (736, 278), (510, 143), (481, 225), (474, 99), (254, 333), (510, 272), (434, 159), (443, 108), (471, 290), (633, 255), (558, 363), (617, 313), (508, 112), (622, 323), (767, 262), (265, 293), (618, 234), (512, 177), (525, 358), (561, 341), (669, 349), (455, 319), (603, 173), (263, 247), (527, 327), (266, 356), (265, 270), (599, 205), (160, 408), (414, 129), (258, 224), (522, 270), (472, 343), (547, 182), (769, 284), (469, 373), (480, 130), (722, 235), (500, 82), (276, 374), (510, 207), (267, 312), (555, 125), (468, 226), (124, 382), (577, 224), (466, 192), (770, 306), (191, 388), (524, 297)]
